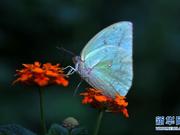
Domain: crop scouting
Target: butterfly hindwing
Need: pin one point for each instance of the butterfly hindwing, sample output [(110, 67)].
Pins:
[(113, 70)]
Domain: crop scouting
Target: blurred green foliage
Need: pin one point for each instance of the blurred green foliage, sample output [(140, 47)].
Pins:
[(31, 29)]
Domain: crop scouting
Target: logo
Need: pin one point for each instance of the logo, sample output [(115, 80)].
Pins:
[(168, 123)]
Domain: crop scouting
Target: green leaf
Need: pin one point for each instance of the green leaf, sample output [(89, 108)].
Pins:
[(57, 130), (79, 131), (14, 129)]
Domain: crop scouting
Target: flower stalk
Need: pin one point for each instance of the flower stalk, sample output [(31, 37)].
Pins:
[(98, 123), (41, 101)]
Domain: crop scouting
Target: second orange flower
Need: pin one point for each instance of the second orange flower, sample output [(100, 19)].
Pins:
[(98, 100)]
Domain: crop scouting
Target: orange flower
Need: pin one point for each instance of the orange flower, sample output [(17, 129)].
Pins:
[(41, 75), (98, 100)]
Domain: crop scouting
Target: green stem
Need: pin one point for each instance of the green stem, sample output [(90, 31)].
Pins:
[(69, 132), (43, 123), (98, 124)]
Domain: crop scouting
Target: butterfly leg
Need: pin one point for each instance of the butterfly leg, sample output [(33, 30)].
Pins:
[(77, 87), (71, 71), (67, 67)]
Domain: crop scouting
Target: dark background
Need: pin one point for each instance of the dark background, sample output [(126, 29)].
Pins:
[(30, 30)]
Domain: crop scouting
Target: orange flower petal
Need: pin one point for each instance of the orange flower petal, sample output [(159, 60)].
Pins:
[(61, 80), (87, 100), (27, 65), (51, 73), (125, 112), (36, 63), (100, 98), (38, 70), (120, 100), (119, 97), (42, 81)]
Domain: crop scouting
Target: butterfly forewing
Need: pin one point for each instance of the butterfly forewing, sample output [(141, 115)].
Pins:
[(118, 34)]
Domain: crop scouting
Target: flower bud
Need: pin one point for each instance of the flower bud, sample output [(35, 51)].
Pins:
[(70, 123)]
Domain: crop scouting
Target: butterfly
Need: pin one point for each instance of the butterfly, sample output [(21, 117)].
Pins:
[(106, 60)]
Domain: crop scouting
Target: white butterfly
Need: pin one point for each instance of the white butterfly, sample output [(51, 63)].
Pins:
[(106, 61)]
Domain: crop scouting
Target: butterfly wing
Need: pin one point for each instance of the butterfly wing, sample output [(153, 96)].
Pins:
[(109, 55)]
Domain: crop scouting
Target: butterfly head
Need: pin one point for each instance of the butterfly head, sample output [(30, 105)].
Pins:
[(76, 59)]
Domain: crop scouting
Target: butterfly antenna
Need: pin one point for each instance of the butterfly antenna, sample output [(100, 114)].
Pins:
[(77, 87), (65, 50)]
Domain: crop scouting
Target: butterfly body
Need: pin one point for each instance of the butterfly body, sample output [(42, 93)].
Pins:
[(106, 61)]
